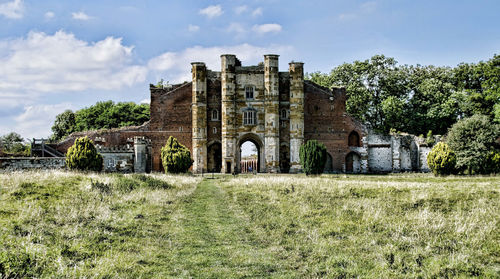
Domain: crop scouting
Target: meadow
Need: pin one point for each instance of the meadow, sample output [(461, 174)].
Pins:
[(77, 225)]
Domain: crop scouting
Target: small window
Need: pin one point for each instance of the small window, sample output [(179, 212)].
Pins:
[(250, 117), (284, 114), (249, 92), (215, 115), (215, 130)]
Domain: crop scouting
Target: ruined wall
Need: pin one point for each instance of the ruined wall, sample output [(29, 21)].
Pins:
[(27, 163), (325, 120)]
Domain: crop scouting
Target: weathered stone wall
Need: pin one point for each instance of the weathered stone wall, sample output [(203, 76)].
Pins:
[(26, 163)]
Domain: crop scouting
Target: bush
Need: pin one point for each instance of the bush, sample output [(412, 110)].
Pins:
[(313, 157), (82, 155), (473, 139), (442, 159), (176, 158)]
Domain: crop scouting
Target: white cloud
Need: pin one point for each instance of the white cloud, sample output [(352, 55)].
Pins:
[(257, 12), (42, 63), (177, 65), (237, 28), (240, 9), (267, 28), (34, 121), (14, 9), (80, 16), (212, 11), (193, 28), (49, 15), (146, 101)]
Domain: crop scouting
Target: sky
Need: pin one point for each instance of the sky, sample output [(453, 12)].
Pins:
[(69, 54)]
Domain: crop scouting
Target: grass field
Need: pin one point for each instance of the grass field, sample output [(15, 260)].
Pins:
[(63, 224)]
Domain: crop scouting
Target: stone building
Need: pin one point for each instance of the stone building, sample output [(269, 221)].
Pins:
[(218, 111)]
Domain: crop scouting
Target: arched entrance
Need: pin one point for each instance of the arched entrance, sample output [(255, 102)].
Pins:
[(352, 163), (249, 154), (329, 164), (214, 157)]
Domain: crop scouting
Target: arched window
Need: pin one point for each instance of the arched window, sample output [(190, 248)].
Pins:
[(215, 115), (353, 139), (249, 90), (284, 114), (249, 117)]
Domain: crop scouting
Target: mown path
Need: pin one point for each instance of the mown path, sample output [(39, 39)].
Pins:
[(213, 241)]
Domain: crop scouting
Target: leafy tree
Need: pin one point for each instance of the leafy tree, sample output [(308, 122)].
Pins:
[(416, 99), (369, 83), (82, 155), (102, 115), (313, 157), (64, 125), (442, 159), (14, 143), (176, 158), (481, 84), (473, 140)]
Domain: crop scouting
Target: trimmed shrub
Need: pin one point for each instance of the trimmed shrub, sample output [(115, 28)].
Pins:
[(473, 139), (176, 158), (313, 157), (82, 155), (442, 159)]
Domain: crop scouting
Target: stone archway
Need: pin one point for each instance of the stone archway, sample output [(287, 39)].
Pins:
[(214, 157), (353, 163), (253, 138)]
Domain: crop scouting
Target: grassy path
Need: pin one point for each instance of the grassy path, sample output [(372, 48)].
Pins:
[(214, 241)]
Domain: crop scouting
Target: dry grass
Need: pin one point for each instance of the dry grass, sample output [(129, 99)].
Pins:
[(65, 224)]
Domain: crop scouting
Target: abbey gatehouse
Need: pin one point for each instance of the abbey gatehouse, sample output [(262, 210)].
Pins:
[(218, 111)]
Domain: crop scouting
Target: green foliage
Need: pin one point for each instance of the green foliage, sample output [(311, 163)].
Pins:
[(102, 115), (12, 143), (82, 155), (441, 159), (64, 125), (493, 162), (430, 139), (415, 99), (176, 158), (313, 157), (473, 139)]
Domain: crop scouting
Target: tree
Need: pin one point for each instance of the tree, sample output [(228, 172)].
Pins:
[(368, 83), (312, 157), (102, 115), (13, 143), (473, 140), (442, 159), (83, 155), (64, 125), (176, 158)]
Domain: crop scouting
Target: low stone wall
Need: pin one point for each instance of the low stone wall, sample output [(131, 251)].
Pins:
[(25, 163)]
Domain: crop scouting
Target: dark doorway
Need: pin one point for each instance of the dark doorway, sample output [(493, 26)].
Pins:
[(352, 163), (228, 167), (329, 164), (214, 160), (284, 158)]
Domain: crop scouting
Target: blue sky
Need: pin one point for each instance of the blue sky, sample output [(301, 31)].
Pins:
[(57, 55)]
